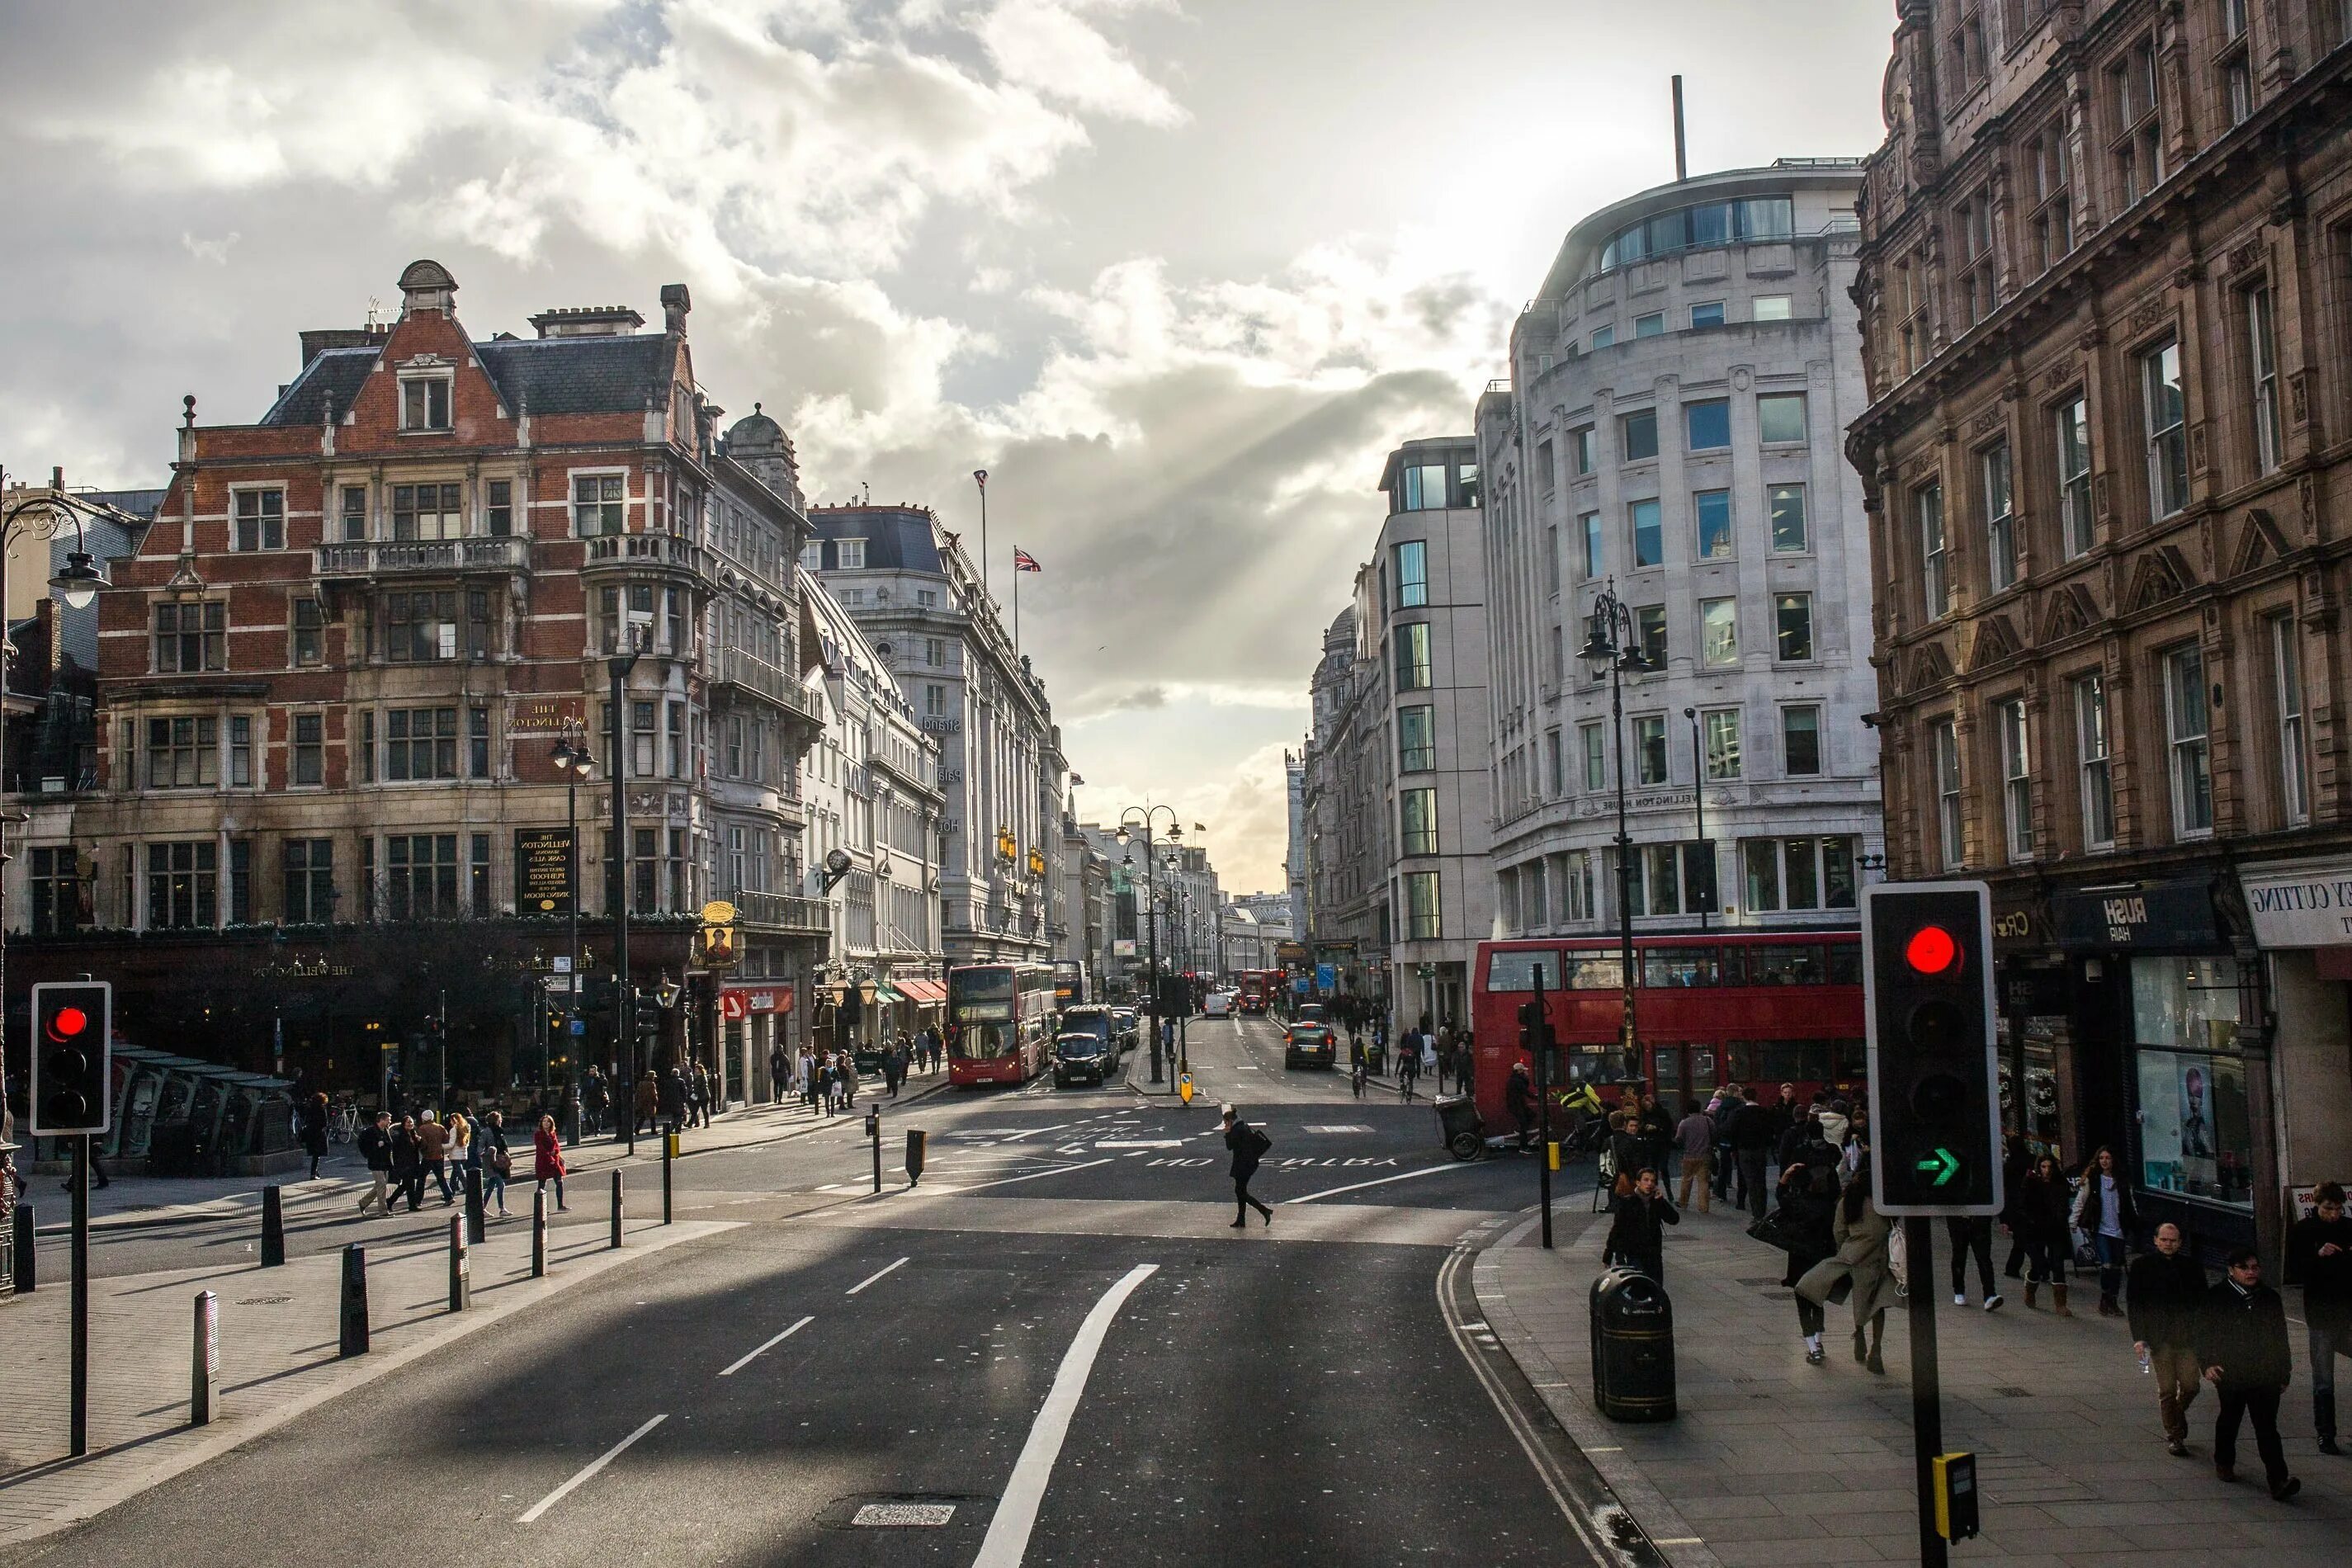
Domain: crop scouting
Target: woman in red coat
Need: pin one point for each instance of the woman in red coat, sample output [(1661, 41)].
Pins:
[(547, 1158)]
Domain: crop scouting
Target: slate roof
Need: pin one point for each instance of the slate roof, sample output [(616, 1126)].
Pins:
[(545, 376), (897, 539)]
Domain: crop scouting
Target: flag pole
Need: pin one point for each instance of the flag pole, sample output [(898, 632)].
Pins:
[(1016, 610)]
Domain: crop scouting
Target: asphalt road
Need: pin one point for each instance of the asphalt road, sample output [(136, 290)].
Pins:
[(1054, 1344)]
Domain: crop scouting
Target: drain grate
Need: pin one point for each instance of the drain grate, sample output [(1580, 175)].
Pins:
[(265, 1300), (903, 1515)]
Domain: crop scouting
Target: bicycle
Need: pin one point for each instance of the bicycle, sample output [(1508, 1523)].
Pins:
[(343, 1122)]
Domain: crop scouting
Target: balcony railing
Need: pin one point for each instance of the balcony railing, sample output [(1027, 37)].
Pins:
[(375, 557), (761, 679), (607, 550), (783, 911)]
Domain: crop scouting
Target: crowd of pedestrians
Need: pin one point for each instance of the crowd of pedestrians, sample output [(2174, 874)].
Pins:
[(2188, 1331)]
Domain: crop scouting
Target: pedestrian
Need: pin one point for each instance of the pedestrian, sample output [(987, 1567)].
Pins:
[(673, 1100), (1520, 1099), (848, 1081), (1408, 1070), (2016, 1164), (1249, 1145), (547, 1160), (1753, 1134), (2319, 1252), (1862, 1263), (2102, 1210), (314, 1131), (1786, 1113), (1696, 1133), (1356, 1076), (407, 1165), (1727, 1160), (2242, 1345), (1972, 1234), (2041, 1210), (1637, 1223), (496, 1159), (1808, 1194), (432, 1152), (779, 1080), (1465, 1063), (595, 1095), (646, 1107), (374, 1143), (2164, 1290)]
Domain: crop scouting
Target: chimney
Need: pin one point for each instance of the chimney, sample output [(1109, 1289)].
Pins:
[(587, 321), (675, 303), (318, 340)]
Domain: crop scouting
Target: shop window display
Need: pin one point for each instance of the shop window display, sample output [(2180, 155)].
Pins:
[(2195, 1138)]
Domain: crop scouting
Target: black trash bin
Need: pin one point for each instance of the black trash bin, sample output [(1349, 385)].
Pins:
[(1632, 1347), (1457, 1120)]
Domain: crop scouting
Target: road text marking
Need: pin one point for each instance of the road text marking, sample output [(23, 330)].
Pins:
[(764, 1349), (869, 1279), (606, 1457), (1007, 1542)]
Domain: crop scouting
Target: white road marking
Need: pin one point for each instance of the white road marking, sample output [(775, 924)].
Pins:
[(1007, 1542), (869, 1279), (1342, 1127), (764, 1349), (1379, 1181), (609, 1455), (1141, 1143), (1032, 1132), (999, 1182)]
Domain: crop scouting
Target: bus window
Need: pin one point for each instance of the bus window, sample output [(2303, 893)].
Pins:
[(1702, 1069), (1509, 970), (1851, 1058), (1786, 965), (1735, 967), (1668, 1069), (1845, 964), (1594, 972), (1678, 966), (978, 1042)]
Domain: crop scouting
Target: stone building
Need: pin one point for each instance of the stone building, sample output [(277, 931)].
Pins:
[(1670, 432), (2106, 331), (325, 832), (1350, 835)]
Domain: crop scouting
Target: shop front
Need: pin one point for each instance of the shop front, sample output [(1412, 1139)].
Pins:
[(2301, 912), (2189, 1093), (2035, 1029), (751, 1021)]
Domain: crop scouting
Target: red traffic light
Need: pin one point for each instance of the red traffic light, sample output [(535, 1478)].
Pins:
[(1931, 951), (67, 1023)]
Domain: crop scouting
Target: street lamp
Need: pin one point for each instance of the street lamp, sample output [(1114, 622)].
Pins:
[(1151, 895), (575, 763), (1611, 642), (617, 883)]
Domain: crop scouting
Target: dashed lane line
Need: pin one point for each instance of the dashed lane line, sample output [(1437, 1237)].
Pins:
[(772, 1344), (870, 1279), (606, 1457)]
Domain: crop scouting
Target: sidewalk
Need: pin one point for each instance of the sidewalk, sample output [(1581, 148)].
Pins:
[(1772, 1460), (137, 1201), (279, 1355)]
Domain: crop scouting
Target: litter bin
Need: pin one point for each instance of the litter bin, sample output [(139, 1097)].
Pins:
[(1632, 1347), (1460, 1127)]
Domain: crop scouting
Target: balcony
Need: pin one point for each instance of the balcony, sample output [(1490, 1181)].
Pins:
[(783, 911), (423, 557), (666, 555), (748, 673)]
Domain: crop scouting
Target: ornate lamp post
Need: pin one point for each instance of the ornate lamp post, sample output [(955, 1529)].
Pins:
[(575, 762), (1611, 642)]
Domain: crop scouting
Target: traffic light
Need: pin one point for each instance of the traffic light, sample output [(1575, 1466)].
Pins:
[(1935, 1100), (73, 1024), (648, 1014)]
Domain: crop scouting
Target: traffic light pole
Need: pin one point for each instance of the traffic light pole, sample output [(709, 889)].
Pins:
[(78, 1421), (1543, 1103), (1926, 1389)]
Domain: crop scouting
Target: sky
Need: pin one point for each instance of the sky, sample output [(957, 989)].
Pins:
[(1177, 273)]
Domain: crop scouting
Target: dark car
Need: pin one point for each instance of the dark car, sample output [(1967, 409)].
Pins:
[(1082, 1058), (1309, 1044), (1102, 1022), (1130, 1026)]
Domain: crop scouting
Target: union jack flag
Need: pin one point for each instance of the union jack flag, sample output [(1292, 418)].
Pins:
[(1024, 562)]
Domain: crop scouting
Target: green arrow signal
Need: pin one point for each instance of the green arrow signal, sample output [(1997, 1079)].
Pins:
[(1941, 1166)]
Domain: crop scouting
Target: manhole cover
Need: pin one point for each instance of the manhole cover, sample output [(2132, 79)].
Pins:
[(903, 1515), (265, 1300)]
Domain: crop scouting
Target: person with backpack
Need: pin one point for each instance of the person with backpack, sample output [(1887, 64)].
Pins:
[(1249, 1145)]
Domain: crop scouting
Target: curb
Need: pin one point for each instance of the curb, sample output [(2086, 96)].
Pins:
[(1593, 1435)]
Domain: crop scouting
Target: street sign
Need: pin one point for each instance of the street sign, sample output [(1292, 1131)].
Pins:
[(1928, 1004), (1327, 977), (579, 1026)]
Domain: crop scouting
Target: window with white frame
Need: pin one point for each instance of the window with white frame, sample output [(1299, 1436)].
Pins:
[(2001, 516), (2137, 138), (424, 402), (1934, 588), (2094, 751), (1718, 633), (1787, 505), (2286, 684), (1720, 727), (2261, 365), (427, 511), (850, 553), (2074, 518), (183, 752), (260, 522), (2189, 739), (2016, 781), (600, 504), (2164, 414), (191, 635), (1944, 747)]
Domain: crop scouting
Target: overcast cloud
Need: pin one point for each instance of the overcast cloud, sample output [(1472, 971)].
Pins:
[(1177, 275)]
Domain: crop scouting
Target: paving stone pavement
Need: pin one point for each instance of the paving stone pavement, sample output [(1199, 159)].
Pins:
[(1771, 1460), (279, 1354)]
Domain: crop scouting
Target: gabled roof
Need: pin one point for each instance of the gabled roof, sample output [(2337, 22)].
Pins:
[(332, 372), (546, 376)]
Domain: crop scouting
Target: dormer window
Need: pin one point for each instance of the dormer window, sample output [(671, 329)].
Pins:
[(424, 403), (853, 555)]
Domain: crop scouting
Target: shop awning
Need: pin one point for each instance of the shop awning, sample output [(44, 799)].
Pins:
[(928, 992), (885, 992)]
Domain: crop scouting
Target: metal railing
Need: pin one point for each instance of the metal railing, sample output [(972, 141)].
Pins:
[(371, 557), (785, 912), (756, 675)]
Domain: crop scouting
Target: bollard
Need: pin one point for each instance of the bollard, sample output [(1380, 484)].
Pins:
[(461, 1270), (874, 1133), (539, 1234), (474, 1219), (915, 1141), (26, 1268), (616, 1208), (273, 1228), (355, 1302), (204, 1360), (670, 1147)]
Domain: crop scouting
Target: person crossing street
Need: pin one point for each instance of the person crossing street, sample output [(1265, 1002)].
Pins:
[(1249, 1146)]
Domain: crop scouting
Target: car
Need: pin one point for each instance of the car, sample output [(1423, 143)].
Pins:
[(1131, 1024), (1311, 1013), (1102, 1022), (1219, 1005), (1082, 1058), (1309, 1044)]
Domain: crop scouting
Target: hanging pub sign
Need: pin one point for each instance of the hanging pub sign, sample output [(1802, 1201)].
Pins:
[(542, 871)]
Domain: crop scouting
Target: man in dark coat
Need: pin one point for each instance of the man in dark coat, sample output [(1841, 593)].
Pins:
[(673, 1099), (2242, 1345), (2164, 1290), (1248, 1146), (1520, 1099), (1753, 1133), (407, 1165), (375, 1147), (2319, 1253), (1637, 1225)]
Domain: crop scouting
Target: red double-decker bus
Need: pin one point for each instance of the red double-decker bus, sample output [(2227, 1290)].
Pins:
[(1756, 1009), (1000, 1023), (1258, 988)]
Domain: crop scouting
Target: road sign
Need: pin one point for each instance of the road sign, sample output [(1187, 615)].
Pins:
[(1935, 1100), (1327, 977), (579, 1026)]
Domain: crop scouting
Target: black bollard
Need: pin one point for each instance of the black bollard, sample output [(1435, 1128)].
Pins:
[(461, 1270), (355, 1300), (670, 1141), (915, 1141), (616, 1208), (474, 1205), (874, 1132), (273, 1228), (539, 1234), (27, 1267), (203, 1361)]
